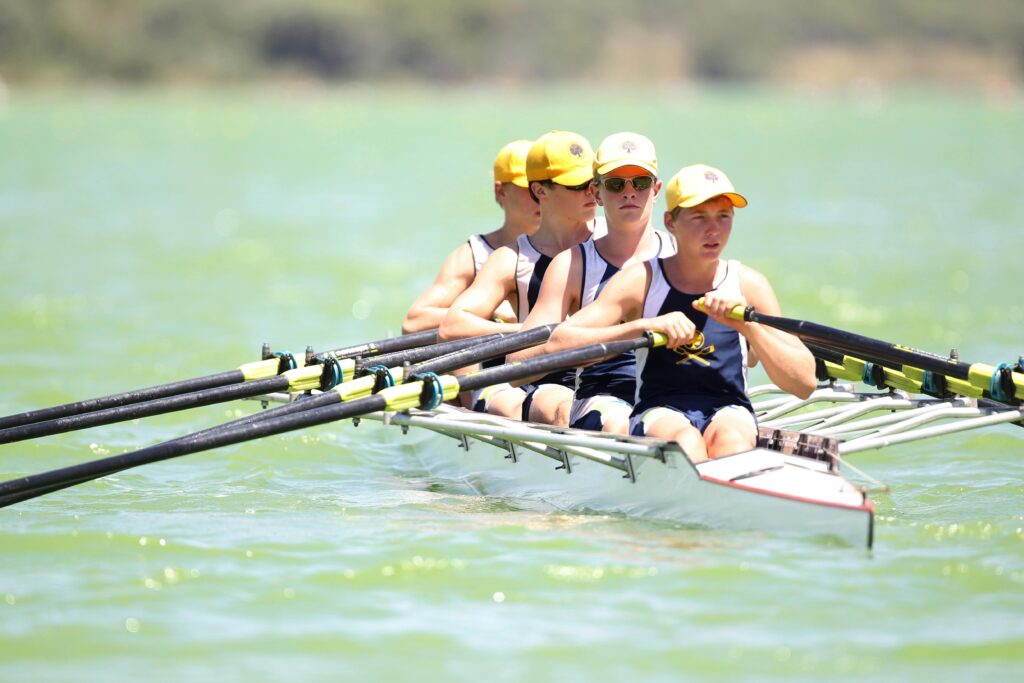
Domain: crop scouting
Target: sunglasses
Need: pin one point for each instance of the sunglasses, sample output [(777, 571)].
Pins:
[(640, 183), (572, 188)]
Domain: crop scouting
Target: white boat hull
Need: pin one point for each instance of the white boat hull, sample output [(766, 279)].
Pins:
[(758, 490)]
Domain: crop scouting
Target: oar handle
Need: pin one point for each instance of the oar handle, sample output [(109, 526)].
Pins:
[(737, 313)]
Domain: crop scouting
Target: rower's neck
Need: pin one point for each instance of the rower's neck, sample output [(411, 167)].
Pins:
[(504, 236), (555, 236), (623, 243)]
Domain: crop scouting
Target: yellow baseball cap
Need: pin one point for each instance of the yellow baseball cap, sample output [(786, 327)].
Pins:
[(566, 158), (510, 164), (625, 149), (696, 184)]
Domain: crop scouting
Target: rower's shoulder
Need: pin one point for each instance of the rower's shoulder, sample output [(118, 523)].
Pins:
[(459, 261), (499, 263), (748, 274), (754, 285)]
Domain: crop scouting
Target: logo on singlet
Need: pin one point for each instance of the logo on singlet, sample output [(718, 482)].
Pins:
[(695, 350)]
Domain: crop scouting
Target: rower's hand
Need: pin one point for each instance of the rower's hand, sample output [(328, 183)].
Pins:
[(718, 307), (675, 326)]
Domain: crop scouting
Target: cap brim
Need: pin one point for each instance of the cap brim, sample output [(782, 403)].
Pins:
[(738, 200), (577, 176), (520, 181), (621, 163)]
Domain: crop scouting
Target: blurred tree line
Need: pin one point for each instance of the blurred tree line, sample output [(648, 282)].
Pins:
[(509, 41)]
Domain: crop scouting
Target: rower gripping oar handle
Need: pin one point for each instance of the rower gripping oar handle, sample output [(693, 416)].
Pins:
[(746, 313)]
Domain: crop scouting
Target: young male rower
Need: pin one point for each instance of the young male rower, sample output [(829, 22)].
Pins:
[(694, 390), (627, 186), (522, 217), (559, 169)]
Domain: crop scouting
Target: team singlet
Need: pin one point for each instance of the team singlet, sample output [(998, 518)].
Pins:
[(711, 371), (530, 268), (481, 250), (615, 376)]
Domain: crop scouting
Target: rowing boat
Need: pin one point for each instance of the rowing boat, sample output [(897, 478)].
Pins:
[(791, 483)]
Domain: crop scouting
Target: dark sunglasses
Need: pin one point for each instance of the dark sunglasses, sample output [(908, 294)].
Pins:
[(572, 188), (640, 183)]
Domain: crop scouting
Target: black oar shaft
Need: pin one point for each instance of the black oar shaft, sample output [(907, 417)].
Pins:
[(16, 490), (856, 343), (24, 488), (146, 409), (508, 343), (484, 349), (125, 398), (542, 365), (381, 346), (422, 353)]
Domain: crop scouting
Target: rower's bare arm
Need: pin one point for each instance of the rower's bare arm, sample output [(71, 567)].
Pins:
[(785, 358), (430, 307), (615, 315), (471, 313), (559, 295)]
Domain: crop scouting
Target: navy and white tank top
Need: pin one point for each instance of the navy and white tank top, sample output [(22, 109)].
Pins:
[(709, 372), (530, 268), (481, 250), (615, 376)]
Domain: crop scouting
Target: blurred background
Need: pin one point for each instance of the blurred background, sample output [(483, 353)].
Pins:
[(183, 180), (827, 43)]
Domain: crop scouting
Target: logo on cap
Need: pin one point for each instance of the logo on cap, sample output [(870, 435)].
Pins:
[(711, 177), (575, 150), (629, 147)]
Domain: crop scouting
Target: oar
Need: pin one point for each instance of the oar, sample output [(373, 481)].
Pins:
[(244, 373), (426, 391), (415, 355), (482, 349), (324, 377), (1000, 382)]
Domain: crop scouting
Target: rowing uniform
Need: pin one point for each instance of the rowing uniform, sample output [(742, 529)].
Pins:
[(697, 380), (530, 269), (531, 265), (481, 250), (612, 382)]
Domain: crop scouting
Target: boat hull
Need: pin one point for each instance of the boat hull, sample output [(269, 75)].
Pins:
[(758, 490)]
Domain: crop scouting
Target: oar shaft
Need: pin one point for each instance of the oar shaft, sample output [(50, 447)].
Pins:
[(850, 341), (16, 490), (423, 353), (126, 398), (381, 346), (146, 409), (508, 343), (543, 365), (395, 398), (484, 350)]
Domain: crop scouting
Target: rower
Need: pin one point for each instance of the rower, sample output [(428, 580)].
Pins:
[(522, 217), (694, 389), (626, 184), (559, 168)]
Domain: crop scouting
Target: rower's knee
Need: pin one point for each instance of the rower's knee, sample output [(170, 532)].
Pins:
[(507, 403), (551, 405), (616, 422), (731, 432), (728, 442)]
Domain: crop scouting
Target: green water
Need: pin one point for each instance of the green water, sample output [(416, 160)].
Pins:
[(151, 237)]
